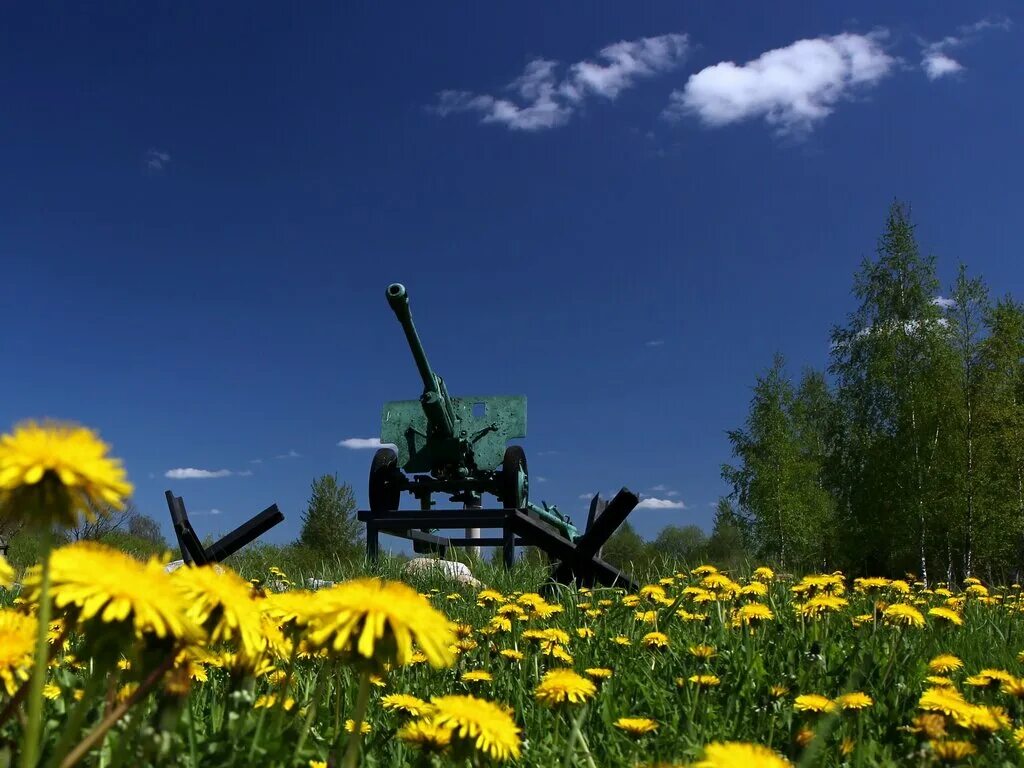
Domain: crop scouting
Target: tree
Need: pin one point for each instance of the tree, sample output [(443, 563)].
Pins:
[(965, 315), (676, 544), (106, 520), (726, 546), (625, 549), (893, 365), (329, 526), (146, 528)]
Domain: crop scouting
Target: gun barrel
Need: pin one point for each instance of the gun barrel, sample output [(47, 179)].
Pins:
[(398, 298)]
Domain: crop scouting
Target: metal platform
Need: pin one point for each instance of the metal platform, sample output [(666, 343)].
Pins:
[(577, 561)]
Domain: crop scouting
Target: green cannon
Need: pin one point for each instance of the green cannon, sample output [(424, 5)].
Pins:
[(452, 445)]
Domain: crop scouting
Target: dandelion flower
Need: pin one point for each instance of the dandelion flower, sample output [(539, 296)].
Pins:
[(944, 663), (702, 681), (222, 602), (511, 654), (854, 700), (741, 755), (901, 614), (350, 726), (752, 613), (636, 726), (598, 673), (403, 702), (477, 676), (564, 686), (820, 605), (426, 734), (703, 652), (953, 751), (482, 724), (6, 574), (74, 457), (379, 620), (655, 640), (947, 615), (17, 648), (93, 581), (764, 573), (813, 702)]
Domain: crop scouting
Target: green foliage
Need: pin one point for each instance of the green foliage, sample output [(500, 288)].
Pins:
[(913, 459), (329, 526)]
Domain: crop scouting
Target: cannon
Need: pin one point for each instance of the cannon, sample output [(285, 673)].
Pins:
[(453, 445), (459, 447)]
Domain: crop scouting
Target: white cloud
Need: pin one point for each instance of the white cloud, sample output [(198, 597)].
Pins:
[(157, 160), (659, 487), (937, 64), (586, 496), (654, 343), (942, 301), (792, 88), (541, 479), (652, 503), (673, 494), (292, 454), (542, 100), (214, 511), (191, 473), (936, 60), (361, 443), (245, 473)]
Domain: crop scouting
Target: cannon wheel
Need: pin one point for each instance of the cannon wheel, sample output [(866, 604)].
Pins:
[(385, 495), (515, 478)]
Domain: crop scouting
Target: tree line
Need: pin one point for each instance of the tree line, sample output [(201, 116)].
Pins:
[(905, 454)]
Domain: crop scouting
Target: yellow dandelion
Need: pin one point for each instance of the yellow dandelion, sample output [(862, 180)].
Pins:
[(952, 751), (702, 681), (625, 641), (939, 680), (317, 764), (58, 471), (741, 755), (764, 573), (222, 602), (92, 581), (755, 589), (704, 570), (813, 702), (655, 640), (901, 614), (1013, 687), (511, 654), (752, 613), (406, 704), (944, 700), (477, 676), (484, 725), (820, 605), (17, 648), (380, 620), (490, 596), (364, 727), (854, 700), (945, 662), (564, 686), (426, 735), (6, 574), (932, 725), (778, 691), (600, 674), (703, 652), (947, 615), (636, 726)]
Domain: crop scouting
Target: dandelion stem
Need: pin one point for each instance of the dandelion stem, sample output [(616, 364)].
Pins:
[(33, 731), (110, 720), (573, 734), (352, 750), (314, 701)]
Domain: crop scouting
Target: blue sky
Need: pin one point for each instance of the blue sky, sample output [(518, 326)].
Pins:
[(621, 212)]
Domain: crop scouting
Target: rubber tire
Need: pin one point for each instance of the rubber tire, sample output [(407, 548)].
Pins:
[(385, 495), (514, 461)]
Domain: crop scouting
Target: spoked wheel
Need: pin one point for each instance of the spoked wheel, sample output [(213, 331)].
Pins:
[(385, 493), (515, 478)]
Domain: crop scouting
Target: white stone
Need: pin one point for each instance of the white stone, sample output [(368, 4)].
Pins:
[(428, 566)]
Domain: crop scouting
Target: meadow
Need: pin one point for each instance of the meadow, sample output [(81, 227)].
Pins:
[(819, 670), (240, 665)]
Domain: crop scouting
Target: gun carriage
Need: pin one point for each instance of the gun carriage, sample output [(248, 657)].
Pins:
[(459, 447)]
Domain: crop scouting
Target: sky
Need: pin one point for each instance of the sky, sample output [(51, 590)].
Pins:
[(621, 211)]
